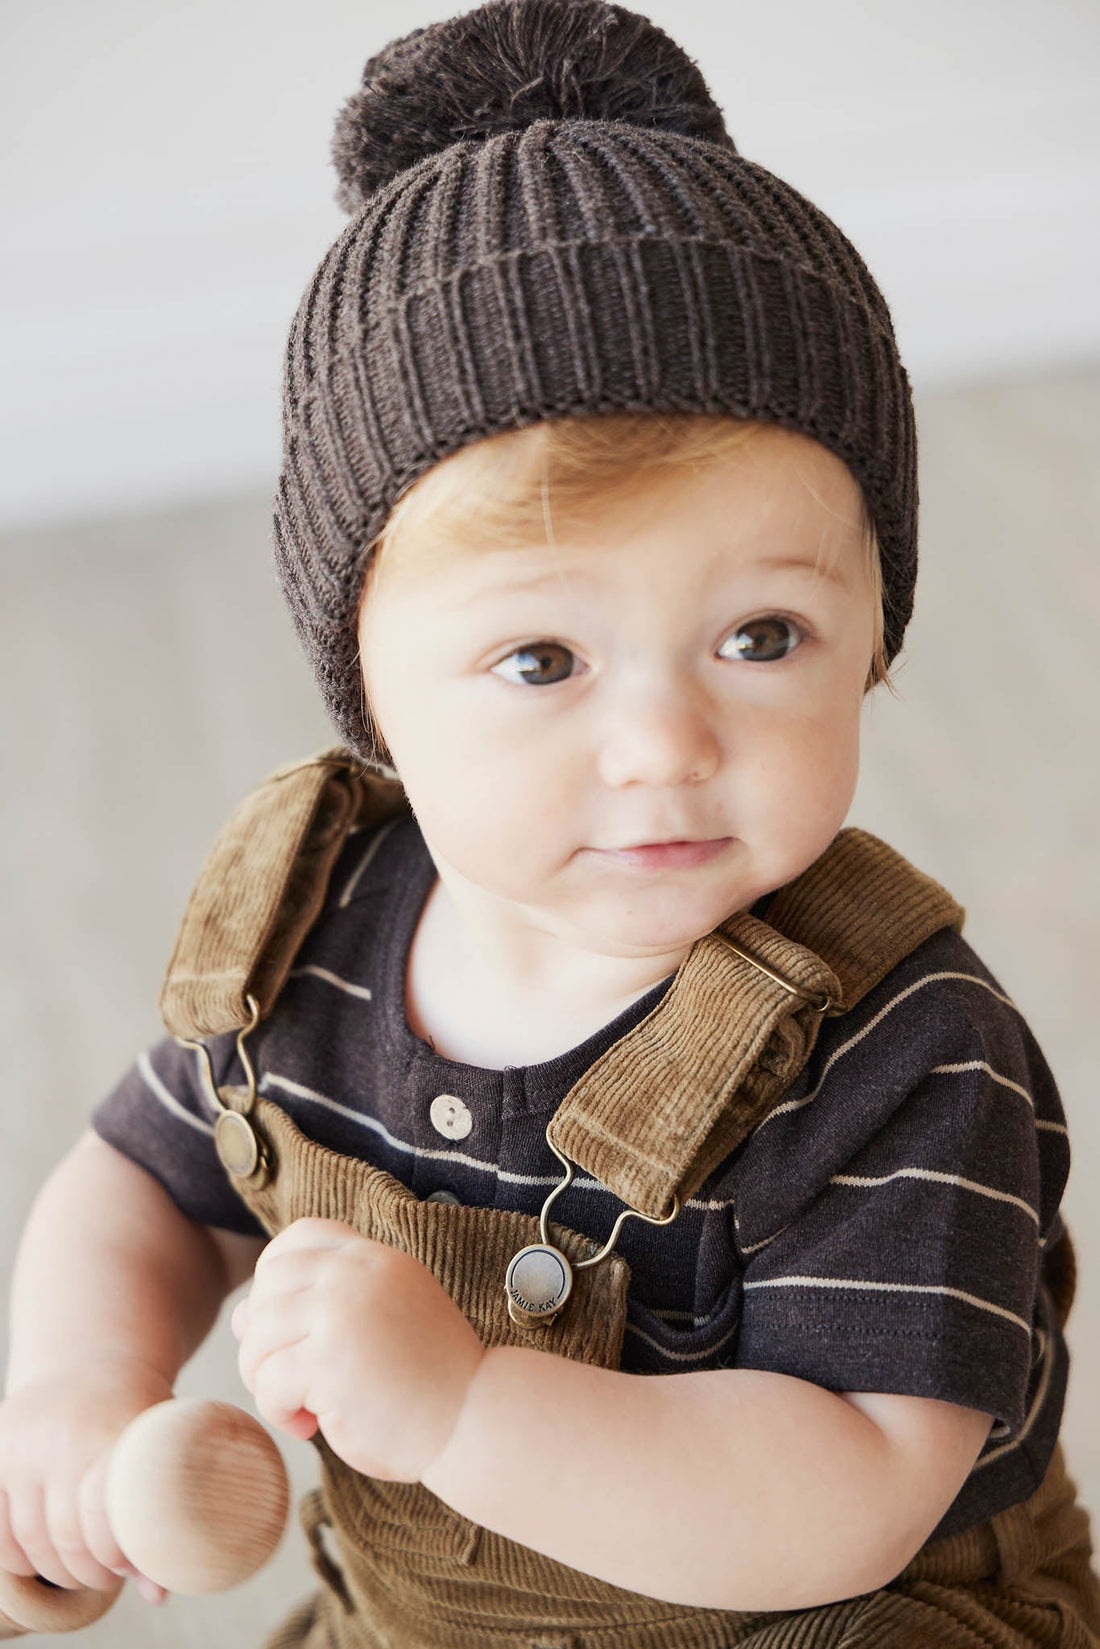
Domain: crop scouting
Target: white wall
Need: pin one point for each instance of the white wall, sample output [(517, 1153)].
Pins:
[(166, 194)]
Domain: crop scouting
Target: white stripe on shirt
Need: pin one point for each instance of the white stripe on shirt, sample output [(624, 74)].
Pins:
[(883, 1179), (980, 1065), (891, 1288), (1006, 1082), (709, 1205), (331, 979), (270, 1080), (934, 1174), (853, 1041), (1034, 1411), (372, 848), (168, 1100), (682, 1356), (581, 1183)]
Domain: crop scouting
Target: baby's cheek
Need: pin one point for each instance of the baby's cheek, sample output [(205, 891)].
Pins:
[(807, 780)]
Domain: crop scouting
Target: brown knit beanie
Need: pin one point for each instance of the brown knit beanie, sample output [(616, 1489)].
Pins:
[(549, 217)]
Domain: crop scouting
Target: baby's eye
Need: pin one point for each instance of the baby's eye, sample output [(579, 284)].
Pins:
[(537, 657), (762, 640)]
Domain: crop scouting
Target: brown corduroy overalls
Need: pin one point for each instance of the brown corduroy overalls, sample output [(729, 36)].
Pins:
[(650, 1118)]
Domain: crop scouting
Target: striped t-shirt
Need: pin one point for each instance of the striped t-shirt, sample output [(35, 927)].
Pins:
[(880, 1230)]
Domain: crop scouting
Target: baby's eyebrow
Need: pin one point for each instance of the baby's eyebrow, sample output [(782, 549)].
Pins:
[(513, 586), (555, 575), (833, 574)]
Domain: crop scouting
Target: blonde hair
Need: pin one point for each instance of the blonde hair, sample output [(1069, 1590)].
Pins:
[(495, 492)]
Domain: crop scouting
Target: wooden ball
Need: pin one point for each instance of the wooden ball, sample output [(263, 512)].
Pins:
[(197, 1494), (30, 1604)]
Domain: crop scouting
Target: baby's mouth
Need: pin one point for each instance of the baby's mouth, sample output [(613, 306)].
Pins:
[(667, 855)]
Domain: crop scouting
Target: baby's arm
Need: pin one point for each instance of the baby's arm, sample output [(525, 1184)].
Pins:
[(108, 1266), (114, 1288), (734, 1488), (737, 1489)]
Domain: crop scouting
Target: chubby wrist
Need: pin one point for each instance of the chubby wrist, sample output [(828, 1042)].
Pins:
[(450, 1466)]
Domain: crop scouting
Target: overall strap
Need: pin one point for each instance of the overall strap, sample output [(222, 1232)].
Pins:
[(262, 887), (666, 1103)]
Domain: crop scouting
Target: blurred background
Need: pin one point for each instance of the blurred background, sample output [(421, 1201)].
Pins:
[(166, 195)]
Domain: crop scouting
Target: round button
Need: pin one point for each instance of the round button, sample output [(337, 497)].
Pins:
[(441, 1196), (450, 1116), (240, 1148)]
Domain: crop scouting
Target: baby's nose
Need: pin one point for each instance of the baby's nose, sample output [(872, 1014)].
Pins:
[(659, 739)]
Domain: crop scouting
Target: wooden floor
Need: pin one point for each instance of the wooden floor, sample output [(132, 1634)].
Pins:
[(150, 676)]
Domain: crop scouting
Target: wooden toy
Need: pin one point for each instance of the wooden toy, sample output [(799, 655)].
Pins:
[(197, 1498)]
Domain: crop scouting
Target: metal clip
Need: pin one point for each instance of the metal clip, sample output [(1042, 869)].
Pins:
[(240, 1145), (539, 1279)]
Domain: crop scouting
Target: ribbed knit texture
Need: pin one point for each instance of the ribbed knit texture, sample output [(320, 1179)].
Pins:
[(573, 265)]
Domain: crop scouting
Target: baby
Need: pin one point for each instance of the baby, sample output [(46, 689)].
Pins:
[(597, 521)]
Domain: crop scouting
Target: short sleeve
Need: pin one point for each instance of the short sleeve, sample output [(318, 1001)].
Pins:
[(901, 1251), (160, 1115)]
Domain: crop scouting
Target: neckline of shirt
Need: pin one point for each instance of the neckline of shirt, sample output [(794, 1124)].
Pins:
[(537, 1087)]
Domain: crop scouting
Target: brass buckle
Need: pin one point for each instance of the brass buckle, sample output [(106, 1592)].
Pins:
[(819, 1004)]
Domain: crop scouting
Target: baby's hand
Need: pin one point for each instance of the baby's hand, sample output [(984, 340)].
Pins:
[(359, 1339), (56, 1437)]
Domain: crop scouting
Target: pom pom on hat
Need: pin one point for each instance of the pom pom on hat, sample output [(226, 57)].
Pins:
[(505, 65)]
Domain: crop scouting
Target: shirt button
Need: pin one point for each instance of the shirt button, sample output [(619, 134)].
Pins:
[(441, 1196), (450, 1116)]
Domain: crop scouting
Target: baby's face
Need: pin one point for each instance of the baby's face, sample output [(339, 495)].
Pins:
[(673, 670)]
